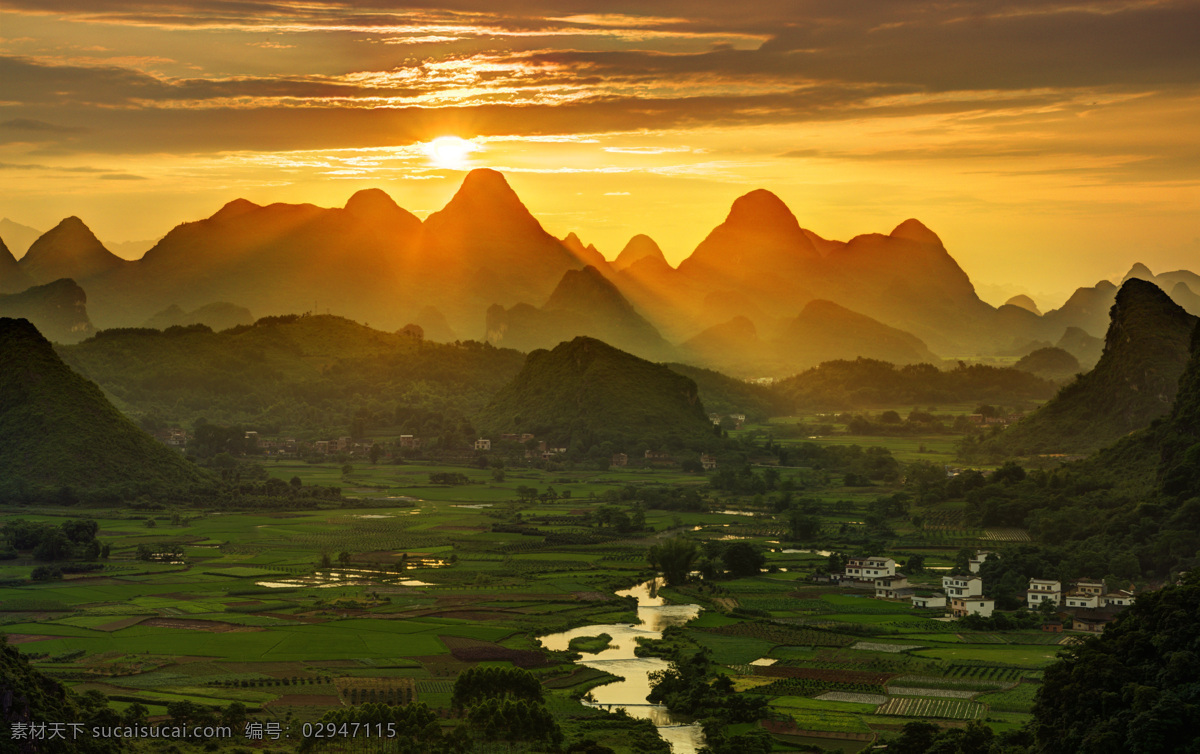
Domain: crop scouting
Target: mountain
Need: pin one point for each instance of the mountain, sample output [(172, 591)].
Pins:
[(302, 374), (58, 430), (1087, 308), (1182, 294), (760, 249), (867, 383), (1179, 436), (485, 247), (826, 331), (583, 303), (1135, 381), (588, 255), (585, 392), (69, 250), (434, 325), (275, 259), (19, 237), (1024, 302), (216, 316), (724, 395), (640, 247), (12, 278), (1082, 346), (1050, 364), (58, 309), (823, 331)]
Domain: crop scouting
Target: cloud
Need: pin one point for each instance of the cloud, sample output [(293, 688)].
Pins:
[(39, 126)]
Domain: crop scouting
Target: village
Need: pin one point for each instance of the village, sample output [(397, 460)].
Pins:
[(1087, 605)]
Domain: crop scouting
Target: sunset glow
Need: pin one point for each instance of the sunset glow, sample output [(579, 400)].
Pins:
[(449, 152), (1041, 170)]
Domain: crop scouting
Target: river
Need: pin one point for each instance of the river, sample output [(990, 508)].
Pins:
[(618, 658)]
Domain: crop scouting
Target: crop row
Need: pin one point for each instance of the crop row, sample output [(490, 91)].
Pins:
[(812, 687), (781, 634), (983, 672), (825, 674), (949, 709)]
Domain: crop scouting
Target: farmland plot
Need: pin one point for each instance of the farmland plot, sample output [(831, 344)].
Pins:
[(948, 709)]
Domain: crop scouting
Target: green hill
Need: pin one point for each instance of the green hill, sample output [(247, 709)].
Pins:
[(58, 430), (1135, 381), (867, 383), (585, 392), (293, 374), (723, 394)]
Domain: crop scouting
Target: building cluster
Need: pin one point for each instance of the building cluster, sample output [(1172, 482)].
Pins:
[(738, 419), (1089, 602), (343, 446)]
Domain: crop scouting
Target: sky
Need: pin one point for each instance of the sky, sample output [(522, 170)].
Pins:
[(1049, 143)]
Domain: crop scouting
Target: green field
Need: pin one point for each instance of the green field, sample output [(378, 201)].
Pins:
[(404, 584)]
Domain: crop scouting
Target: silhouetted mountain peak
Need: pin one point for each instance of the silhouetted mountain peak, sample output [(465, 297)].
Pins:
[(487, 185), (639, 247), (486, 200), (1141, 308), (370, 201), (1139, 271), (914, 230), (374, 205), (1024, 302), (69, 249), (235, 208), (587, 289), (761, 209)]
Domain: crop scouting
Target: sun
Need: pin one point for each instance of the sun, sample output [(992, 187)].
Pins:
[(449, 151)]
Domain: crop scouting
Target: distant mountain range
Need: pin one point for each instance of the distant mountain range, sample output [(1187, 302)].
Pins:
[(1146, 350), (760, 295)]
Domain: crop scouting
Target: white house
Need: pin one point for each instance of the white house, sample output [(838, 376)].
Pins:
[(483, 444), (1119, 598), (960, 606), (869, 569), (1043, 590), (892, 588), (978, 558), (962, 586), (929, 600)]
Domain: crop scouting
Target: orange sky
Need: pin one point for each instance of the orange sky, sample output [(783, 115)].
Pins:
[(1049, 143)]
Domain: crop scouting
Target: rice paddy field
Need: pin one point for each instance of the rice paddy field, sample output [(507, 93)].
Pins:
[(388, 595)]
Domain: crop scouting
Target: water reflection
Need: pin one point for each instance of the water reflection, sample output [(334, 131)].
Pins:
[(619, 659)]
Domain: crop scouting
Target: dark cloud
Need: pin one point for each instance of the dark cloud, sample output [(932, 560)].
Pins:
[(821, 60), (31, 82)]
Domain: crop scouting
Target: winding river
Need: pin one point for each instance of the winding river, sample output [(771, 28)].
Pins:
[(618, 658)]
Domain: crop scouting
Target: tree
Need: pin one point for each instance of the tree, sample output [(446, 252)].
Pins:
[(743, 559), (344, 558), (375, 452), (674, 557), (914, 565), (1133, 688), (802, 526)]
